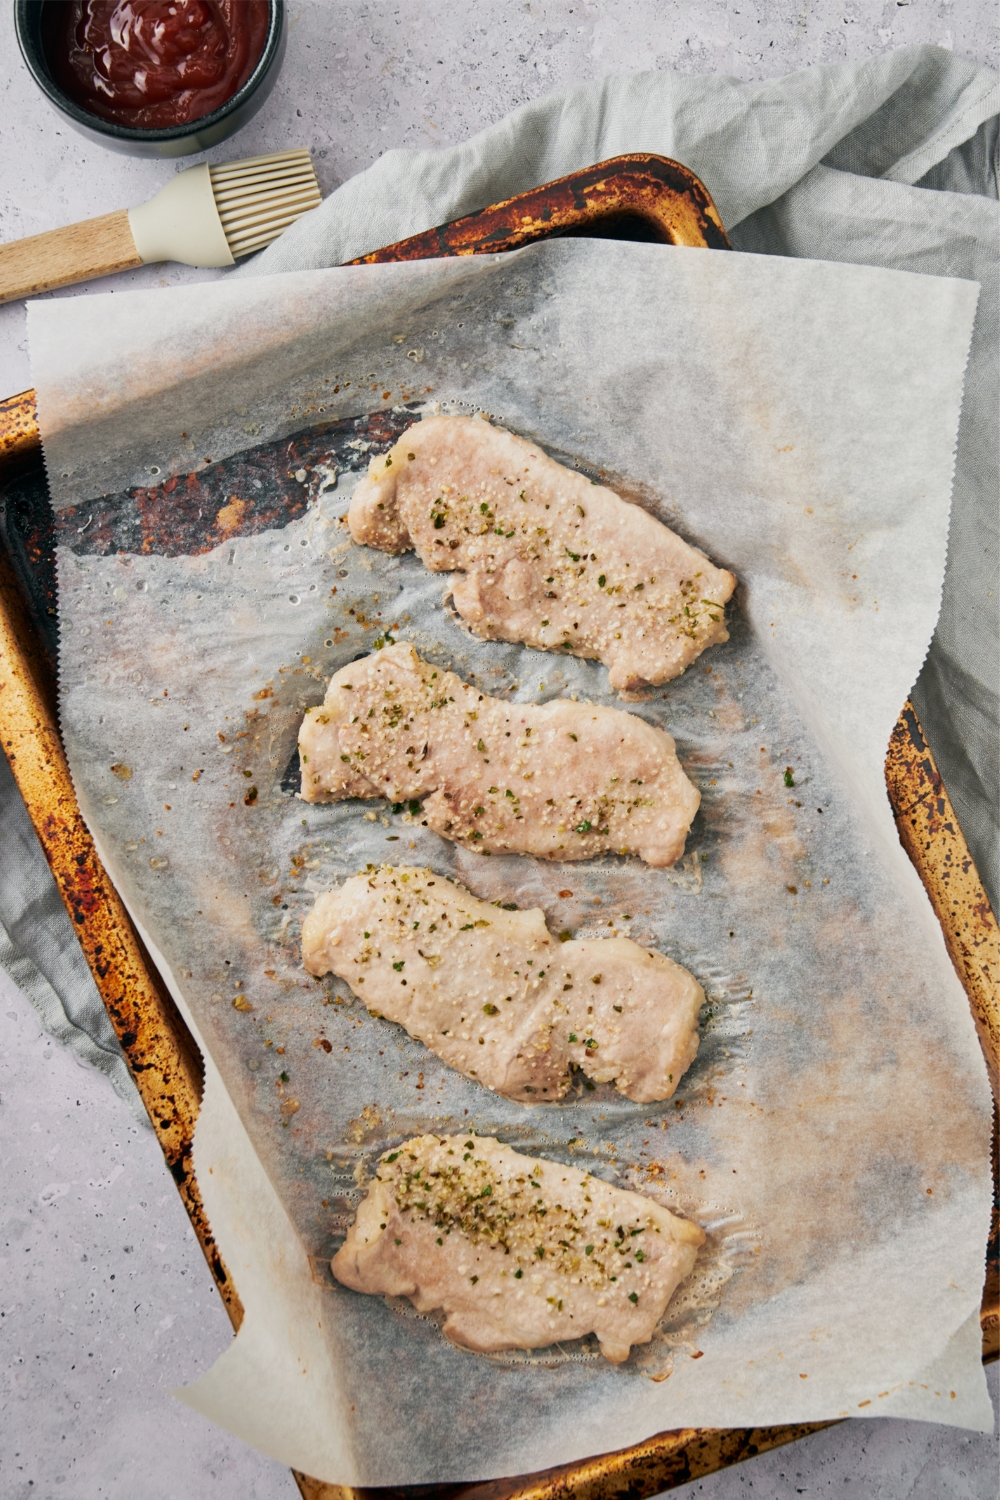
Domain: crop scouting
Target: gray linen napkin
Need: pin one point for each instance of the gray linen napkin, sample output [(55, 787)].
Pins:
[(892, 161)]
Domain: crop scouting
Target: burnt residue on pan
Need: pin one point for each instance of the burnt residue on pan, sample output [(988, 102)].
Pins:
[(929, 832), (26, 539), (635, 197), (258, 489)]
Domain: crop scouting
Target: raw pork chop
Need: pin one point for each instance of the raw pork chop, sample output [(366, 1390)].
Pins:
[(548, 557), (499, 997), (519, 1253), (561, 780)]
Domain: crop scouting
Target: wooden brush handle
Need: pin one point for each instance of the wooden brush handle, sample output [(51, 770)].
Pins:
[(95, 247)]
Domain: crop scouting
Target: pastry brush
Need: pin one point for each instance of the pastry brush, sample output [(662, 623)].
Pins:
[(205, 216)]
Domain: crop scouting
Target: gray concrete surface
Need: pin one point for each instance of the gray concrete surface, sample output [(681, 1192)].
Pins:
[(105, 1301)]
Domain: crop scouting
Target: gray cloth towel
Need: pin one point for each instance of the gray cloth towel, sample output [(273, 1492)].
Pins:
[(892, 162)]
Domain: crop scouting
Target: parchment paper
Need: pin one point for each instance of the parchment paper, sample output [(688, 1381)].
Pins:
[(797, 421)]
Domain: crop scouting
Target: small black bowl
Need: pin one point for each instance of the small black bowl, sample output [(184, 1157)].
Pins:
[(174, 140)]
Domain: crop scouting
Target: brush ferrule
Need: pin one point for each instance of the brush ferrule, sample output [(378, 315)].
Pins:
[(182, 223)]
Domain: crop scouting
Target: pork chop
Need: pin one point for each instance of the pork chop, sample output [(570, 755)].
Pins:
[(548, 557), (561, 780), (519, 1253), (498, 996)]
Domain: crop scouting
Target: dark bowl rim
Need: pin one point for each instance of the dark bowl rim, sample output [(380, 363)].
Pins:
[(269, 54)]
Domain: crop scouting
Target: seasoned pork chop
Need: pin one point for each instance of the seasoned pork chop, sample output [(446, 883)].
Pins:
[(519, 1253), (561, 780), (500, 998), (547, 557)]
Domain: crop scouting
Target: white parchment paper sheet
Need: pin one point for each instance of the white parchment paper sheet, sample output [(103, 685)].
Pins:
[(797, 421)]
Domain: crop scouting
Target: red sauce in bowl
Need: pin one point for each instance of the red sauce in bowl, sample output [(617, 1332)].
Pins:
[(150, 64)]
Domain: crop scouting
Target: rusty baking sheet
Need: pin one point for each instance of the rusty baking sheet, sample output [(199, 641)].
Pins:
[(635, 197)]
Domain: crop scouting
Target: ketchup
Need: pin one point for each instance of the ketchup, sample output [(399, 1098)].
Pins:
[(151, 64)]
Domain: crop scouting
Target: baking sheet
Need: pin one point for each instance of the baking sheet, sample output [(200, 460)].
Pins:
[(795, 419)]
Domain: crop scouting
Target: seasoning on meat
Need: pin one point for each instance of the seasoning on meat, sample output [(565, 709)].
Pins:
[(519, 1253), (498, 996), (547, 557), (561, 780)]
